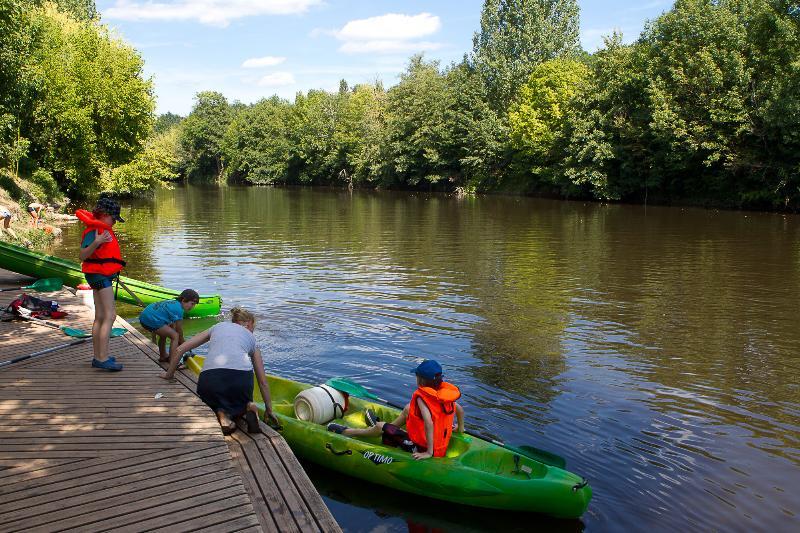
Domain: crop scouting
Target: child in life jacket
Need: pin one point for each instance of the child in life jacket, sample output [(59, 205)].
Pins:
[(165, 320), (101, 261), (428, 417)]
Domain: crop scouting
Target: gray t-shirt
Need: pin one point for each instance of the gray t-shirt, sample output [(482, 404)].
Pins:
[(231, 346)]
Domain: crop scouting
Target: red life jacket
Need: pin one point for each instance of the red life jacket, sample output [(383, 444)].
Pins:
[(107, 258), (441, 404)]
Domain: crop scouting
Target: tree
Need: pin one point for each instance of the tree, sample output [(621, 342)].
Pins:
[(537, 118), (258, 144), (201, 136), (416, 129), (517, 35), (607, 136), (166, 122)]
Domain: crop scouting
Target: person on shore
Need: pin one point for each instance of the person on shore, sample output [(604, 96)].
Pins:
[(35, 211), (165, 320), (101, 261), (428, 417), (226, 381), (6, 216)]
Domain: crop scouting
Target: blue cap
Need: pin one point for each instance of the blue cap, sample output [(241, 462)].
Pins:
[(428, 369)]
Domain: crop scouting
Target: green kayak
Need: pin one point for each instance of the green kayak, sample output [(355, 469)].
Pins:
[(474, 472), (29, 263)]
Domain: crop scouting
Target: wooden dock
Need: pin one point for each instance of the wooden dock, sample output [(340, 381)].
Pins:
[(87, 450)]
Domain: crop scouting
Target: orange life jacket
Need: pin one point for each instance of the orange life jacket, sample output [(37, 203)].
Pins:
[(441, 404), (107, 258)]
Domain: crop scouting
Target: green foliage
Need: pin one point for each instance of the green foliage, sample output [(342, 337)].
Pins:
[(46, 188), (72, 96), (517, 35), (166, 122), (157, 163), (258, 146), (537, 119), (201, 137)]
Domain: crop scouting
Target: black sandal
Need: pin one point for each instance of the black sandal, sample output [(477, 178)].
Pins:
[(252, 422)]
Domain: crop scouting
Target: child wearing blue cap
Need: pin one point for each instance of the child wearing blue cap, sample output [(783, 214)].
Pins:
[(428, 417)]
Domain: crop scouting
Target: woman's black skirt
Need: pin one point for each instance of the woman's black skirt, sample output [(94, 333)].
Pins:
[(225, 389)]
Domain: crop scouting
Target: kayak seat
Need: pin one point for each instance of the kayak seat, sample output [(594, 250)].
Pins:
[(501, 462)]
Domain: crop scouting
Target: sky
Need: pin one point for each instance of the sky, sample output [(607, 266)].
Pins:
[(252, 49)]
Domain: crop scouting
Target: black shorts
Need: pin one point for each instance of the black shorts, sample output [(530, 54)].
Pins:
[(398, 438)]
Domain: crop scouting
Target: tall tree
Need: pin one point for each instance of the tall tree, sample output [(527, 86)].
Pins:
[(201, 136), (517, 35)]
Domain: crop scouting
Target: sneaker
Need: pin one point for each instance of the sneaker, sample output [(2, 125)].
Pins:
[(370, 417), (336, 428), (108, 364)]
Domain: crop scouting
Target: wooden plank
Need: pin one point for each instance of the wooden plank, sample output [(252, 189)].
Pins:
[(268, 504), (263, 469), (297, 476), (101, 484), (227, 517), (84, 511), (117, 466), (119, 511)]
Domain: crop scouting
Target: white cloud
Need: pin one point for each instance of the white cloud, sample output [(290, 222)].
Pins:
[(211, 12), (277, 79), (266, 61), (390, 27), (387, 47), (392, 33)]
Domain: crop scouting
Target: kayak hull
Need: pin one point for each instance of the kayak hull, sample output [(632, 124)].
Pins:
[(29, 263), (474, 472)]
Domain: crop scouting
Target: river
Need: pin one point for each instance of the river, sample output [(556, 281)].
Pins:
[(657, 349)]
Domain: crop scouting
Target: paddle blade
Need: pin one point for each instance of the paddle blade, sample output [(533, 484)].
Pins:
[(75, 332), (350, 387), (80, 334), (47, 285)]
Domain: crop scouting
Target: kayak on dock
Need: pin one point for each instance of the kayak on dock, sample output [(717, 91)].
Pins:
[(474, 471), (29, 263)]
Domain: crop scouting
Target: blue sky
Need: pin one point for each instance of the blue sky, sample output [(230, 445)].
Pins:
[(250, 49)]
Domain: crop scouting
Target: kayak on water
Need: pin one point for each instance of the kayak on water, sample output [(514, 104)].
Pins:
[(34, 264), (474, 471)]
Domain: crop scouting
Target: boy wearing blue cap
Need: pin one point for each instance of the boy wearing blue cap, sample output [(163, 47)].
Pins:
[(428, 417)]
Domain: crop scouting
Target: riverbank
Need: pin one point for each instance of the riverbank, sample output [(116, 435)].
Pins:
[(80, 447)]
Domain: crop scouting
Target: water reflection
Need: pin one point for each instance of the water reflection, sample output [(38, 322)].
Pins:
[(655, 348)]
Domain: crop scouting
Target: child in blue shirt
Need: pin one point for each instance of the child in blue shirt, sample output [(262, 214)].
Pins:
[(165, 320)]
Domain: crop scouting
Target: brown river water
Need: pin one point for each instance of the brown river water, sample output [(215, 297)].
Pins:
[(657, 349)]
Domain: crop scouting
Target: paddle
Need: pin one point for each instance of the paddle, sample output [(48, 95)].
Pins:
[(70, 332), (543, 456), (42, 352), (42, 285), (138, 300)]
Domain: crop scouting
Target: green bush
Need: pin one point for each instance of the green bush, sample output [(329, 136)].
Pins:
[(45, 186)]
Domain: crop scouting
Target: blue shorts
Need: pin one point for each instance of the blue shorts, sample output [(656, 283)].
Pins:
[(148, 327), (99, 281)]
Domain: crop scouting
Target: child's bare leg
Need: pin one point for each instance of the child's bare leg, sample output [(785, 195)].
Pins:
[(162, 348), (105, 313), (164, 333), (225, 421)]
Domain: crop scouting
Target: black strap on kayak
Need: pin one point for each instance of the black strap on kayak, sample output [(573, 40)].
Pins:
[(335, 404)]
